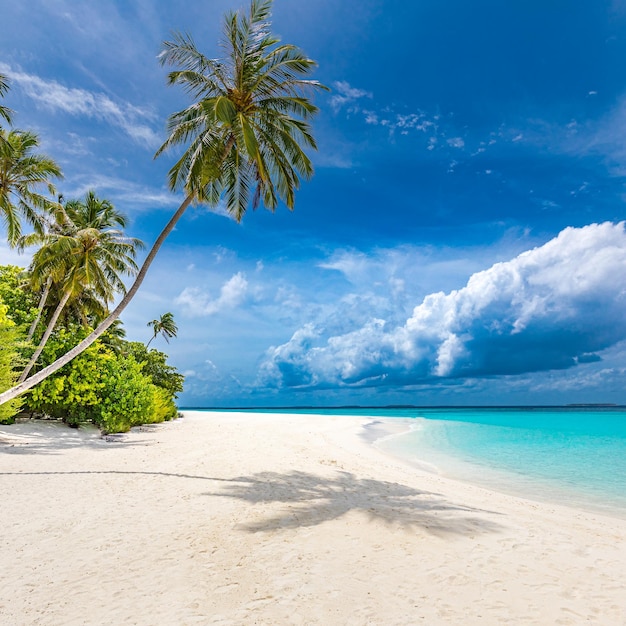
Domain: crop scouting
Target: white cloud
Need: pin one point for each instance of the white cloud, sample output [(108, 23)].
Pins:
[(371, 117), (456, 142), (120, 190), (549, 308), (50, 94), (199, 304), (400, 275), (208, 381), (604, 137), (346, 94)]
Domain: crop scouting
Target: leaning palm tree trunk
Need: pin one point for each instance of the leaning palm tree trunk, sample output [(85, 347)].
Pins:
[(46, 336), (25, 385), (245, 134), (42, 303)]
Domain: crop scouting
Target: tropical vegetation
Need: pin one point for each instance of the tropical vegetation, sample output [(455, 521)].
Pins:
[(243, 142), (23, 172), (165, 326), (84, 252), (114, 384), (9, 337), (5, 112)]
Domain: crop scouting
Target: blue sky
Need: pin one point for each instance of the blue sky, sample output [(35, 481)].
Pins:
[(460, 243)]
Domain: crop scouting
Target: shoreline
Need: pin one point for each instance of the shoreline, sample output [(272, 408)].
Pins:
[(379, 430), (229, 518), (526, 487)]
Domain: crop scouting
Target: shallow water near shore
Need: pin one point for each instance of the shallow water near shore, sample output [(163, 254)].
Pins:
[(571, 457), (574, 456)]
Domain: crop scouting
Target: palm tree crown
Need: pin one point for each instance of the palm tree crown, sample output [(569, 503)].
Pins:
[(165, 326), (22, 173), (248, 123), (86, 247), (83, 257)]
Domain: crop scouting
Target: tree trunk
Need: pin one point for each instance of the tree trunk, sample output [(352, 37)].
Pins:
[(87, 341), (42, 303), (46, 336)]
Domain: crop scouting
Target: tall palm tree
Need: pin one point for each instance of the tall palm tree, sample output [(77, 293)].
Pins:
[(22, 173), (54, 223), (84, 257), (244, 133), (5, 112), (165, 326)]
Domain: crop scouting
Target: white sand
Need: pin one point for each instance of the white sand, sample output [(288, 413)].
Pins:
[(274, 519)]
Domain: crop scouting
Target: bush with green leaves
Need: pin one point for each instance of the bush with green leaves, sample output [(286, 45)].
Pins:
[(109, 389), (9, 339), (21, 309), (22, 303), (164, 407), (155, 365), (128, 396), (74, 392)]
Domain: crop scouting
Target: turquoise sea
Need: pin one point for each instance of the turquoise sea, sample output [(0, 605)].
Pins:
[(573, 455)]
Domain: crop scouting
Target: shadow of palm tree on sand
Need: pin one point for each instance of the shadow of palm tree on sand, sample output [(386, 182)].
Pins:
[(310, 500)]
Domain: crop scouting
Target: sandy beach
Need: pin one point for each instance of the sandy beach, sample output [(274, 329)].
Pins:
[(235, 518)]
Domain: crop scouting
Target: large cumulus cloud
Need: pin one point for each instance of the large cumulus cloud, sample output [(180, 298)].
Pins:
[(549, 308)]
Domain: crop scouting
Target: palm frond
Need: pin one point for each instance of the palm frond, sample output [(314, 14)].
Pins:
[(22, 174), (245, 134)]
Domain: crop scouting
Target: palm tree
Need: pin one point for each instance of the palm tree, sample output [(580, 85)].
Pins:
[(21, 174), (165, 326), (5, 112), (55, 223), (244, 133), (84, 258), (87, 308)]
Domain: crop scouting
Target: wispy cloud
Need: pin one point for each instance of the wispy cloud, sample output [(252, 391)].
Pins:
[(197, 303), (207, 380), (122, 191), (439, 132), (552, 307), (54, 96), (403, 123), (346, 95)]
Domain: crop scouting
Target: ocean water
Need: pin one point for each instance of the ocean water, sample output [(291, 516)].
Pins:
[(572, 456), (568, 456)]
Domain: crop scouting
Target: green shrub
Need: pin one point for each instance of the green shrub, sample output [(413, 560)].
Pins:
[(21, 302), (108, 388), (9, 338), (155, 365), (164, 407), (75, 391), (128, 396)]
